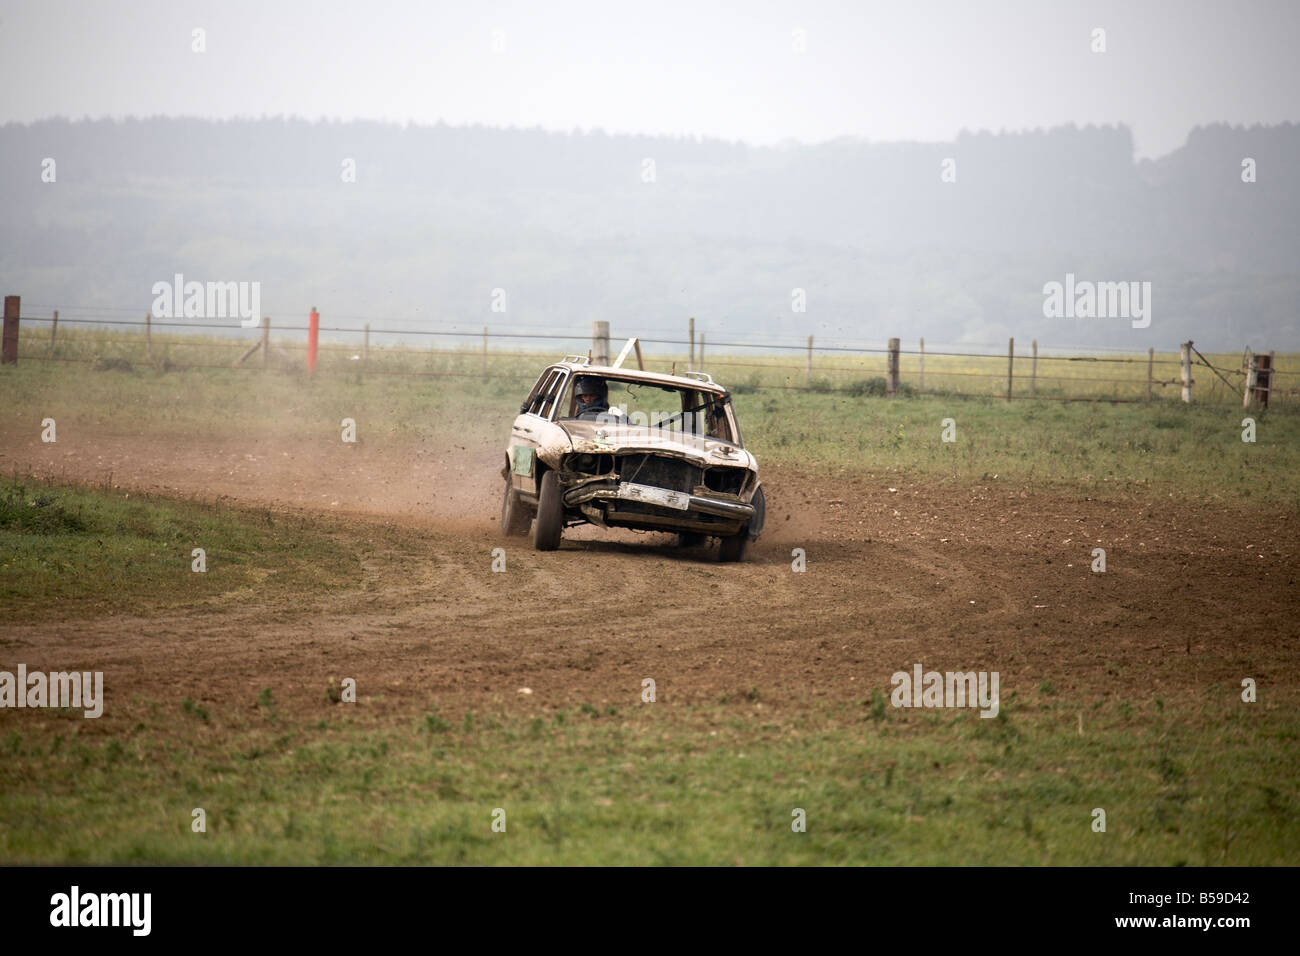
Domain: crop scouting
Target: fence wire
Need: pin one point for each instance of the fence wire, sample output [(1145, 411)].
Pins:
[(1011, 381)]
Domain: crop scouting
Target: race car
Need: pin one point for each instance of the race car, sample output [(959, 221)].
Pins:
[(626, 448)]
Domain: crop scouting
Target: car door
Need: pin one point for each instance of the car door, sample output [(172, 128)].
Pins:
[(534, 419)]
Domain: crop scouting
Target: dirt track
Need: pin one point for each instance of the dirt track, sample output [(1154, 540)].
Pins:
[(957, 577)]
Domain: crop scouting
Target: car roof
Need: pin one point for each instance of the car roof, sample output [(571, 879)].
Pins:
[(639, 375)]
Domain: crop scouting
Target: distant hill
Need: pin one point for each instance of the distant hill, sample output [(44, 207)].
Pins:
[(440, 216)]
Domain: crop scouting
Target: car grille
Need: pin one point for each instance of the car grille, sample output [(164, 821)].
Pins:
[(729, 480), (671, 473)]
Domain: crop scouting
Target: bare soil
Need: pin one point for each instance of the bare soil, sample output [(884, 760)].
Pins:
[(957, 577)]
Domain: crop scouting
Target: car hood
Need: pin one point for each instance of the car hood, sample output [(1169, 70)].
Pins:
[(596, 437)]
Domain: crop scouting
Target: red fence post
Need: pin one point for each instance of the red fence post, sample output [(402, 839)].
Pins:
[(313, 333), (9, 349)]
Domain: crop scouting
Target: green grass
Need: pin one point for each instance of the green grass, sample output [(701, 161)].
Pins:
[(1209, 781), (91, 551), (410, 396), (1089, 447)]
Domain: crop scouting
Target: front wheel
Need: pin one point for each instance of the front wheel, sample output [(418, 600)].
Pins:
[(549, 523), (734, 547)]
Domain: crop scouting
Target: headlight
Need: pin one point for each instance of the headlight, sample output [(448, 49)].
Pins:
[(586, 464)]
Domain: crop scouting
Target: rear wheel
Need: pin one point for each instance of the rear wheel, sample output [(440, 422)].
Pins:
[(514, 514), (549, 523)]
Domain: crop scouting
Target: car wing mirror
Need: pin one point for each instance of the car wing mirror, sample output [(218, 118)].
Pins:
[(523, 407)]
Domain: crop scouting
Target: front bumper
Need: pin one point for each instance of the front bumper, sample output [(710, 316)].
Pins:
[(613, 491)]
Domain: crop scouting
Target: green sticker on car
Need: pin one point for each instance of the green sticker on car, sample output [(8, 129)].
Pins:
[(521, 460)]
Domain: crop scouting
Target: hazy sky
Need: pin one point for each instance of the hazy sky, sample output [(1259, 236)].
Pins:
[(898, 70)]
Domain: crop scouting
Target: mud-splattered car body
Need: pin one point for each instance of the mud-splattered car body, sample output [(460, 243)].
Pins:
[(679, 468)]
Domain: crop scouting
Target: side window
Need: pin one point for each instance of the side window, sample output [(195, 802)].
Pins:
[(530, 403), (541, 394), (562, 407), (551, 393)]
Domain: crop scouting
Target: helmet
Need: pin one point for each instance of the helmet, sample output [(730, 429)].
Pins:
[(590, 385)]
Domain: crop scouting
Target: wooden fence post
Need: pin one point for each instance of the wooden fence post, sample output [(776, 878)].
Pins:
[(266, 339), (921, 359), (1033, 371), (54, 329), (1151, 361), (9, 342), (691, 364), (891, 383), (1011, 361), (485, 337), (599, 343), (1259, 376), (365, 347), (260, 344), (807, 371), (148, 336), (1186, 350)]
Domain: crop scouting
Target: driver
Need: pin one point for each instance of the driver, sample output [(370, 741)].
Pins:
[(592, 396)]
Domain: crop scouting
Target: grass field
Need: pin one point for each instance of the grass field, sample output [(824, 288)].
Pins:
[(1196, 782), (1187, 774), (103, 552), (1054, 374), (411, 395)]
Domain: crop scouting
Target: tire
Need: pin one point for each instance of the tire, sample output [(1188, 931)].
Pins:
[(755, 526), (689, 539), (548, 525), (734, 547), (514, 515)]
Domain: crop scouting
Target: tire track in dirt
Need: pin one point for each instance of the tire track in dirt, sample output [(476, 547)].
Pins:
[(893, 569)]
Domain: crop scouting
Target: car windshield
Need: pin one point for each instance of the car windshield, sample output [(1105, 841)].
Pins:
[(649, 405)]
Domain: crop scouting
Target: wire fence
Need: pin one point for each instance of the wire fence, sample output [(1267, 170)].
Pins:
[(1022, 372)]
